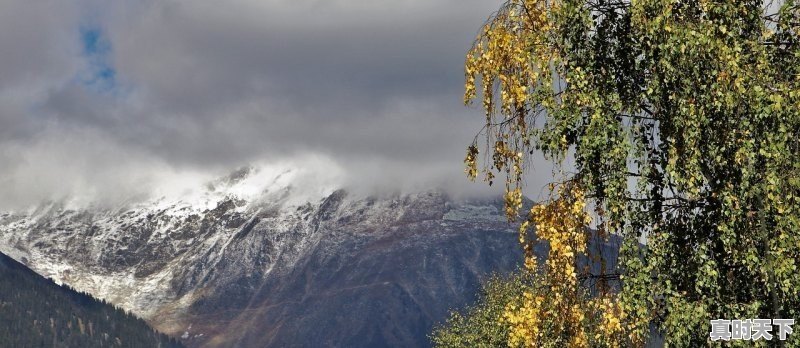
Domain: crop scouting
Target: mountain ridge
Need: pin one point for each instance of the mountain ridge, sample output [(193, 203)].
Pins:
[(260, 257), (264, 258)]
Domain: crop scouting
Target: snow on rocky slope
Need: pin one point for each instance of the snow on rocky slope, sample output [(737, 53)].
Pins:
[(267, 257)]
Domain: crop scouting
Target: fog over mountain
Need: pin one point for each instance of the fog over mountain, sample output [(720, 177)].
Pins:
[(109, 99)]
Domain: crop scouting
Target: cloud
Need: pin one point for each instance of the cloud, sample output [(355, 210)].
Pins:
[(116, 92)]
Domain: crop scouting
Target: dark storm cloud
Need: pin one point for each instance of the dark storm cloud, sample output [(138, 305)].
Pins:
[(147, 85), (36, 51), (345, 76)]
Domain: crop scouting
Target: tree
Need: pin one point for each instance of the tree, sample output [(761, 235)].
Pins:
[(482, 325), (683, 120)]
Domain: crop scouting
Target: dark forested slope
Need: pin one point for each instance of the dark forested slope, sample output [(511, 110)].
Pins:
[(36, 312)]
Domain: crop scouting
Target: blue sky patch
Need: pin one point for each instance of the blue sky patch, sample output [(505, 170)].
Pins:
[(100, 74)]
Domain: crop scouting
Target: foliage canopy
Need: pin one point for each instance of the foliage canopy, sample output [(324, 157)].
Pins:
[(682, 118)]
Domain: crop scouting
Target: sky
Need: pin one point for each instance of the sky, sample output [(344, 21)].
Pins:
[(106, 98)]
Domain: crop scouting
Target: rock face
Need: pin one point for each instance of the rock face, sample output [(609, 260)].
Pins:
[(255, 260)]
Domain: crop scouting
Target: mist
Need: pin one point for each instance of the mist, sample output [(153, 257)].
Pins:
[(114, 101)]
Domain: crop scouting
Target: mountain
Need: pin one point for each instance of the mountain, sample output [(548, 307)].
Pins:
[(36, 312), (273, 258)]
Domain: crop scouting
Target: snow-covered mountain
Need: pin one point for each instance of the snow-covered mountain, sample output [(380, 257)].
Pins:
[(266, 257)]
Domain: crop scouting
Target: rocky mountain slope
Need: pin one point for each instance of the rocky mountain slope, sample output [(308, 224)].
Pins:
[(260, 259)]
